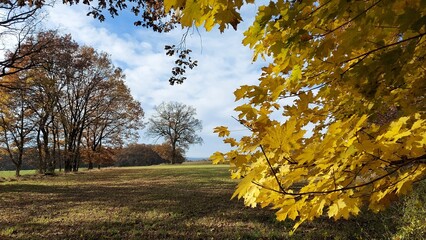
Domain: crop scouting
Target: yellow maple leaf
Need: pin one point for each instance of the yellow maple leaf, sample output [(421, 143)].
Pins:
[(222, 131), (217, 157)]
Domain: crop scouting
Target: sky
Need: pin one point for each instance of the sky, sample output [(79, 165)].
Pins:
[(224, 64)]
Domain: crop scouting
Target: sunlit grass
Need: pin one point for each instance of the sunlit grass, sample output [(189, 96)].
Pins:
[(188, 201), (8, 174)]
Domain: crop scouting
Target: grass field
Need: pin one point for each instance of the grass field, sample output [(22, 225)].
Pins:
[(9, 174), (160, 202)]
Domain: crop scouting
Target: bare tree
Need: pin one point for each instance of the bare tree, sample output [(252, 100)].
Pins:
[(176, 124)]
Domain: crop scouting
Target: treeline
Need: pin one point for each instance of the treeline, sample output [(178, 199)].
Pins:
[(70, 105), (130, 155)]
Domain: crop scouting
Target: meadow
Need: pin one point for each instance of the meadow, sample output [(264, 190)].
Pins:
[(190, 201), (11, 174)]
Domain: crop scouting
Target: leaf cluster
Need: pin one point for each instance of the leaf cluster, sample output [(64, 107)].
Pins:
[(182, 63), (151, 14)]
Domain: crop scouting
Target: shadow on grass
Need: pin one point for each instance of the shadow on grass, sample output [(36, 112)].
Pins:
[(151, 204)]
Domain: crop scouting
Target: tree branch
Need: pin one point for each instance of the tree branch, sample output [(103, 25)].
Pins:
[(383, 47), (351, 20)]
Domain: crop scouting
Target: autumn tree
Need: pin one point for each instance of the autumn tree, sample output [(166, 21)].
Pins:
[(150, 14), (46, 89), (176, 124), (83, 76), (166, 152), (116, 118), (16, 120), (347, 77), (103, 156), (43, 91), (79, 97)]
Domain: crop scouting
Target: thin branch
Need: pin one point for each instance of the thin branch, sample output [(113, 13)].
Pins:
[(383, 47), (351, 20), (353, 65), (304, 91), (334, 179), (265, 187), (273, 170), (316, 9)]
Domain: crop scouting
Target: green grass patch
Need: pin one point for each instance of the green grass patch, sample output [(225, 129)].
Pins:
[(9, 174), (159, 202)]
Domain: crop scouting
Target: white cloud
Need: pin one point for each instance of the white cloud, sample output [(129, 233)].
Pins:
[(224, 64)]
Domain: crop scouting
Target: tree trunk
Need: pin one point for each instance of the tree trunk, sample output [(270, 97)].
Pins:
[(173, 152), (68, 161), (67, 165), (40, 153), (76, 162), (90, 165), (18, 170), (58, 153)]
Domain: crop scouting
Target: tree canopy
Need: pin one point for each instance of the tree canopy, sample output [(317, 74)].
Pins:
[(348, 79), (176, 123)]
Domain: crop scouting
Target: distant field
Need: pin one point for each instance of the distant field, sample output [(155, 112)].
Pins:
[(189, 201)]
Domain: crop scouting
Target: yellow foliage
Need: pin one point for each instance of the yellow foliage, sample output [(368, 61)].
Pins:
[(222, 131), (356, 131), (217, 157)]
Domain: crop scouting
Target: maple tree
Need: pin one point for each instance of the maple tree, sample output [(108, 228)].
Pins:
[(337, 118)]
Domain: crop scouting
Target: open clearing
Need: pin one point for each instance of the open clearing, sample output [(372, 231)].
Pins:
[(160, 202)]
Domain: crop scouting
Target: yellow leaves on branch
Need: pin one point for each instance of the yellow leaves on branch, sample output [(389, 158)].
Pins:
[(206, 12), (337, 118), (217, 158), (343, 208), (283, 138)]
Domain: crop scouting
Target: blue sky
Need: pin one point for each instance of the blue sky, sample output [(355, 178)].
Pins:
[(224, 64)]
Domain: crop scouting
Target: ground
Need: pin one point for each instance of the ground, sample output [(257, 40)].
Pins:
[(161, 202)]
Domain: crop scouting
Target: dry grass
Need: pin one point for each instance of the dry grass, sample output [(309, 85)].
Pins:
[(162, 202)]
